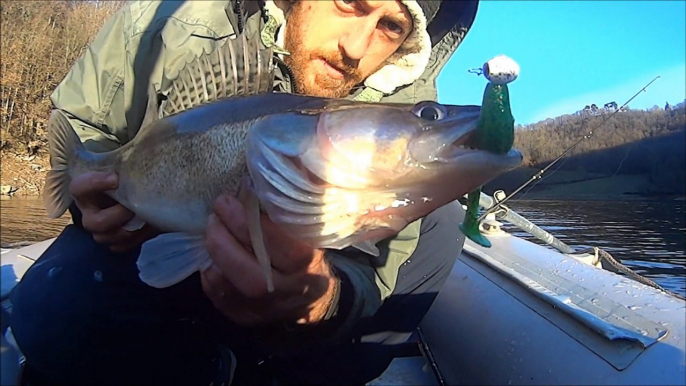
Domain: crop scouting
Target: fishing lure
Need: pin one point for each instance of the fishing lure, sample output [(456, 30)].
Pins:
[(494, 133)]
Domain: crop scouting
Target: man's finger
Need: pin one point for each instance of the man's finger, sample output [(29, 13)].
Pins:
[(119, 236), (106, 220), (236, 264), (121, 240), (226, 298), (92, 183), (230, 211), (240, 267), (212, 283), (292, 255)]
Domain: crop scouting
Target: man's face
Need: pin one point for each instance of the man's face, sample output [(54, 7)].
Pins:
[(336, 44)]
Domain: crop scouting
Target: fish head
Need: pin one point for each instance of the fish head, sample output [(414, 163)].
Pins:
[(405, 147), (343, 172)]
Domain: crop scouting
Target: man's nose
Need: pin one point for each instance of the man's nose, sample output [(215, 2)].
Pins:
[(356, 41)]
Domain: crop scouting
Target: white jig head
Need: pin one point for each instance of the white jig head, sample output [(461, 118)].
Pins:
[(501, 70)]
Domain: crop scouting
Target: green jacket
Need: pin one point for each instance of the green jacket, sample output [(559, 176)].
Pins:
[(105, 93)]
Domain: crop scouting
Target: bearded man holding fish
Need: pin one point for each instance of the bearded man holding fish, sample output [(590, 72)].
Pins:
[(261, 191)]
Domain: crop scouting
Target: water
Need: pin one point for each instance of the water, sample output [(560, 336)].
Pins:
[(25, 219), (648, 237)]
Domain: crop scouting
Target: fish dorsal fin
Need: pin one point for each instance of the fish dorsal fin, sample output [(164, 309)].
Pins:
[(237, 67)]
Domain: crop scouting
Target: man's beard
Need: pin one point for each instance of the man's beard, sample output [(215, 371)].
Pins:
[(301, 61)]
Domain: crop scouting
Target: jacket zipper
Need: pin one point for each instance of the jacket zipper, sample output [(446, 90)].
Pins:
[(239, 15), (289, 72)]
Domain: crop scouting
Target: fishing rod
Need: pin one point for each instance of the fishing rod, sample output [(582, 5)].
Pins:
[(540, 172)]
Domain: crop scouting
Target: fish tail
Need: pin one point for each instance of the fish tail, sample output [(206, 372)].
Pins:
[(64, 144)]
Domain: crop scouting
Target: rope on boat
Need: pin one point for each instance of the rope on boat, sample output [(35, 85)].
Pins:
[(626, 270)]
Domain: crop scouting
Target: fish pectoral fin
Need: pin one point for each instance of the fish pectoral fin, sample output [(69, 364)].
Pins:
[(134, 224), (252, 207), (368, 247), (172, 257)]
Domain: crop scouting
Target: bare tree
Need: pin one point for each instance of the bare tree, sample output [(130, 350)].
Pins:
[(40, 41)]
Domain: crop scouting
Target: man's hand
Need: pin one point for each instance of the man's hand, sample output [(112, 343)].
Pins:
[(304, 285), (104, 217)]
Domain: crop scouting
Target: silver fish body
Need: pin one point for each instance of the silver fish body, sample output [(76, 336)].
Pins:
[(332, 173), (309, 157)]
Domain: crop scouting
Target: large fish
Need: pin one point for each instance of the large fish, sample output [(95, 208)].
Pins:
[(332, 173)]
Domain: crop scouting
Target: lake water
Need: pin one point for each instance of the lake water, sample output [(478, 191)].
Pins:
[(25, 219), (648, 237)]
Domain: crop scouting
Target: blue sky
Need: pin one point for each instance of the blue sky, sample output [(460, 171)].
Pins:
[(574, 53)]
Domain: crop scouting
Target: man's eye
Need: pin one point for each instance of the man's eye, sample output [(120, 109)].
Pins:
[(349, 4), (394, 27)]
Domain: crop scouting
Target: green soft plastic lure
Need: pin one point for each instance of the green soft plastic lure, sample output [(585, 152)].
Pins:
[(494, 133)]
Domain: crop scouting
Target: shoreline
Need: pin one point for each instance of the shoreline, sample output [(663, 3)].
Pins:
[(22, 174), (567, 185), (598, 197)]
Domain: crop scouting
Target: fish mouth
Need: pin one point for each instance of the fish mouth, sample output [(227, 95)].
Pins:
[(462, 146), (452, 141), (466, 156)]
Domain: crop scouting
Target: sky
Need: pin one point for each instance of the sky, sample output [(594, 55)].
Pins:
[(572, 54)]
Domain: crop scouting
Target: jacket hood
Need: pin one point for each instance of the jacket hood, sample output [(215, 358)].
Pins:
[(433, 21)]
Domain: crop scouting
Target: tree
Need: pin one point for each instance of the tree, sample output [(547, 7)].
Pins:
[(40, 41)]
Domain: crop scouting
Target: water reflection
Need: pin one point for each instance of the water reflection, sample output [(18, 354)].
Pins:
[(648, 237), (25, 219)]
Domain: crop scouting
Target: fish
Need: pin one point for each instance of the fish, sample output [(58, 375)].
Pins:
[(494, 133), (331, 173)]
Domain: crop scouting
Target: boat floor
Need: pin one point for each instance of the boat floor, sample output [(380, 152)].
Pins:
[(406, 371)]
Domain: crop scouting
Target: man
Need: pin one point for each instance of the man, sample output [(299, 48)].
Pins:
[(81, 315)]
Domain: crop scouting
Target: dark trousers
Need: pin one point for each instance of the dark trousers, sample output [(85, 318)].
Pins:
[(81, 315)]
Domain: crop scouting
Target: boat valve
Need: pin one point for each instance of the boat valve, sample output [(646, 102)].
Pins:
[(490, 225)]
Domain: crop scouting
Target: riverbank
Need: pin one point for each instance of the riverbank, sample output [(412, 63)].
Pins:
[(624, 188), (582, 186), (23, 174)]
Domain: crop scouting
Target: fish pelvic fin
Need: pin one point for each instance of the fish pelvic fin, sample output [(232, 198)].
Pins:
[(134, 224), (238, 66), (368, 247), (64, 144), (252, 205), (172, 257)]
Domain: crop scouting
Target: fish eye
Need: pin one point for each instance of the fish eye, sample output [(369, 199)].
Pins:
[(429, 111)]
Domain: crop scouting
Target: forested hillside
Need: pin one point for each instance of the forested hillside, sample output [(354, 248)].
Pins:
[(628, 142), (40, 41)]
